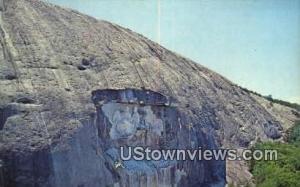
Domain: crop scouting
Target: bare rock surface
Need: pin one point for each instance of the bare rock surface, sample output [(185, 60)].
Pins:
[(52, 129), (285, 115)]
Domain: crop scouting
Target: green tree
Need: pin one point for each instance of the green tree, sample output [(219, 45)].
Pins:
[(283, 172)]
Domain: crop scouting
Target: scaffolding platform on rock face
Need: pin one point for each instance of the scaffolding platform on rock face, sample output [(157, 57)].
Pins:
[(131, 96)]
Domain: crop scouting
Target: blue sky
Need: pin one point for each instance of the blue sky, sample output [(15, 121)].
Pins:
[(254, 43)]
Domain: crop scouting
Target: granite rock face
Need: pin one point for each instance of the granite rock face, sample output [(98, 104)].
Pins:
[(62, 113), (129, 118)]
